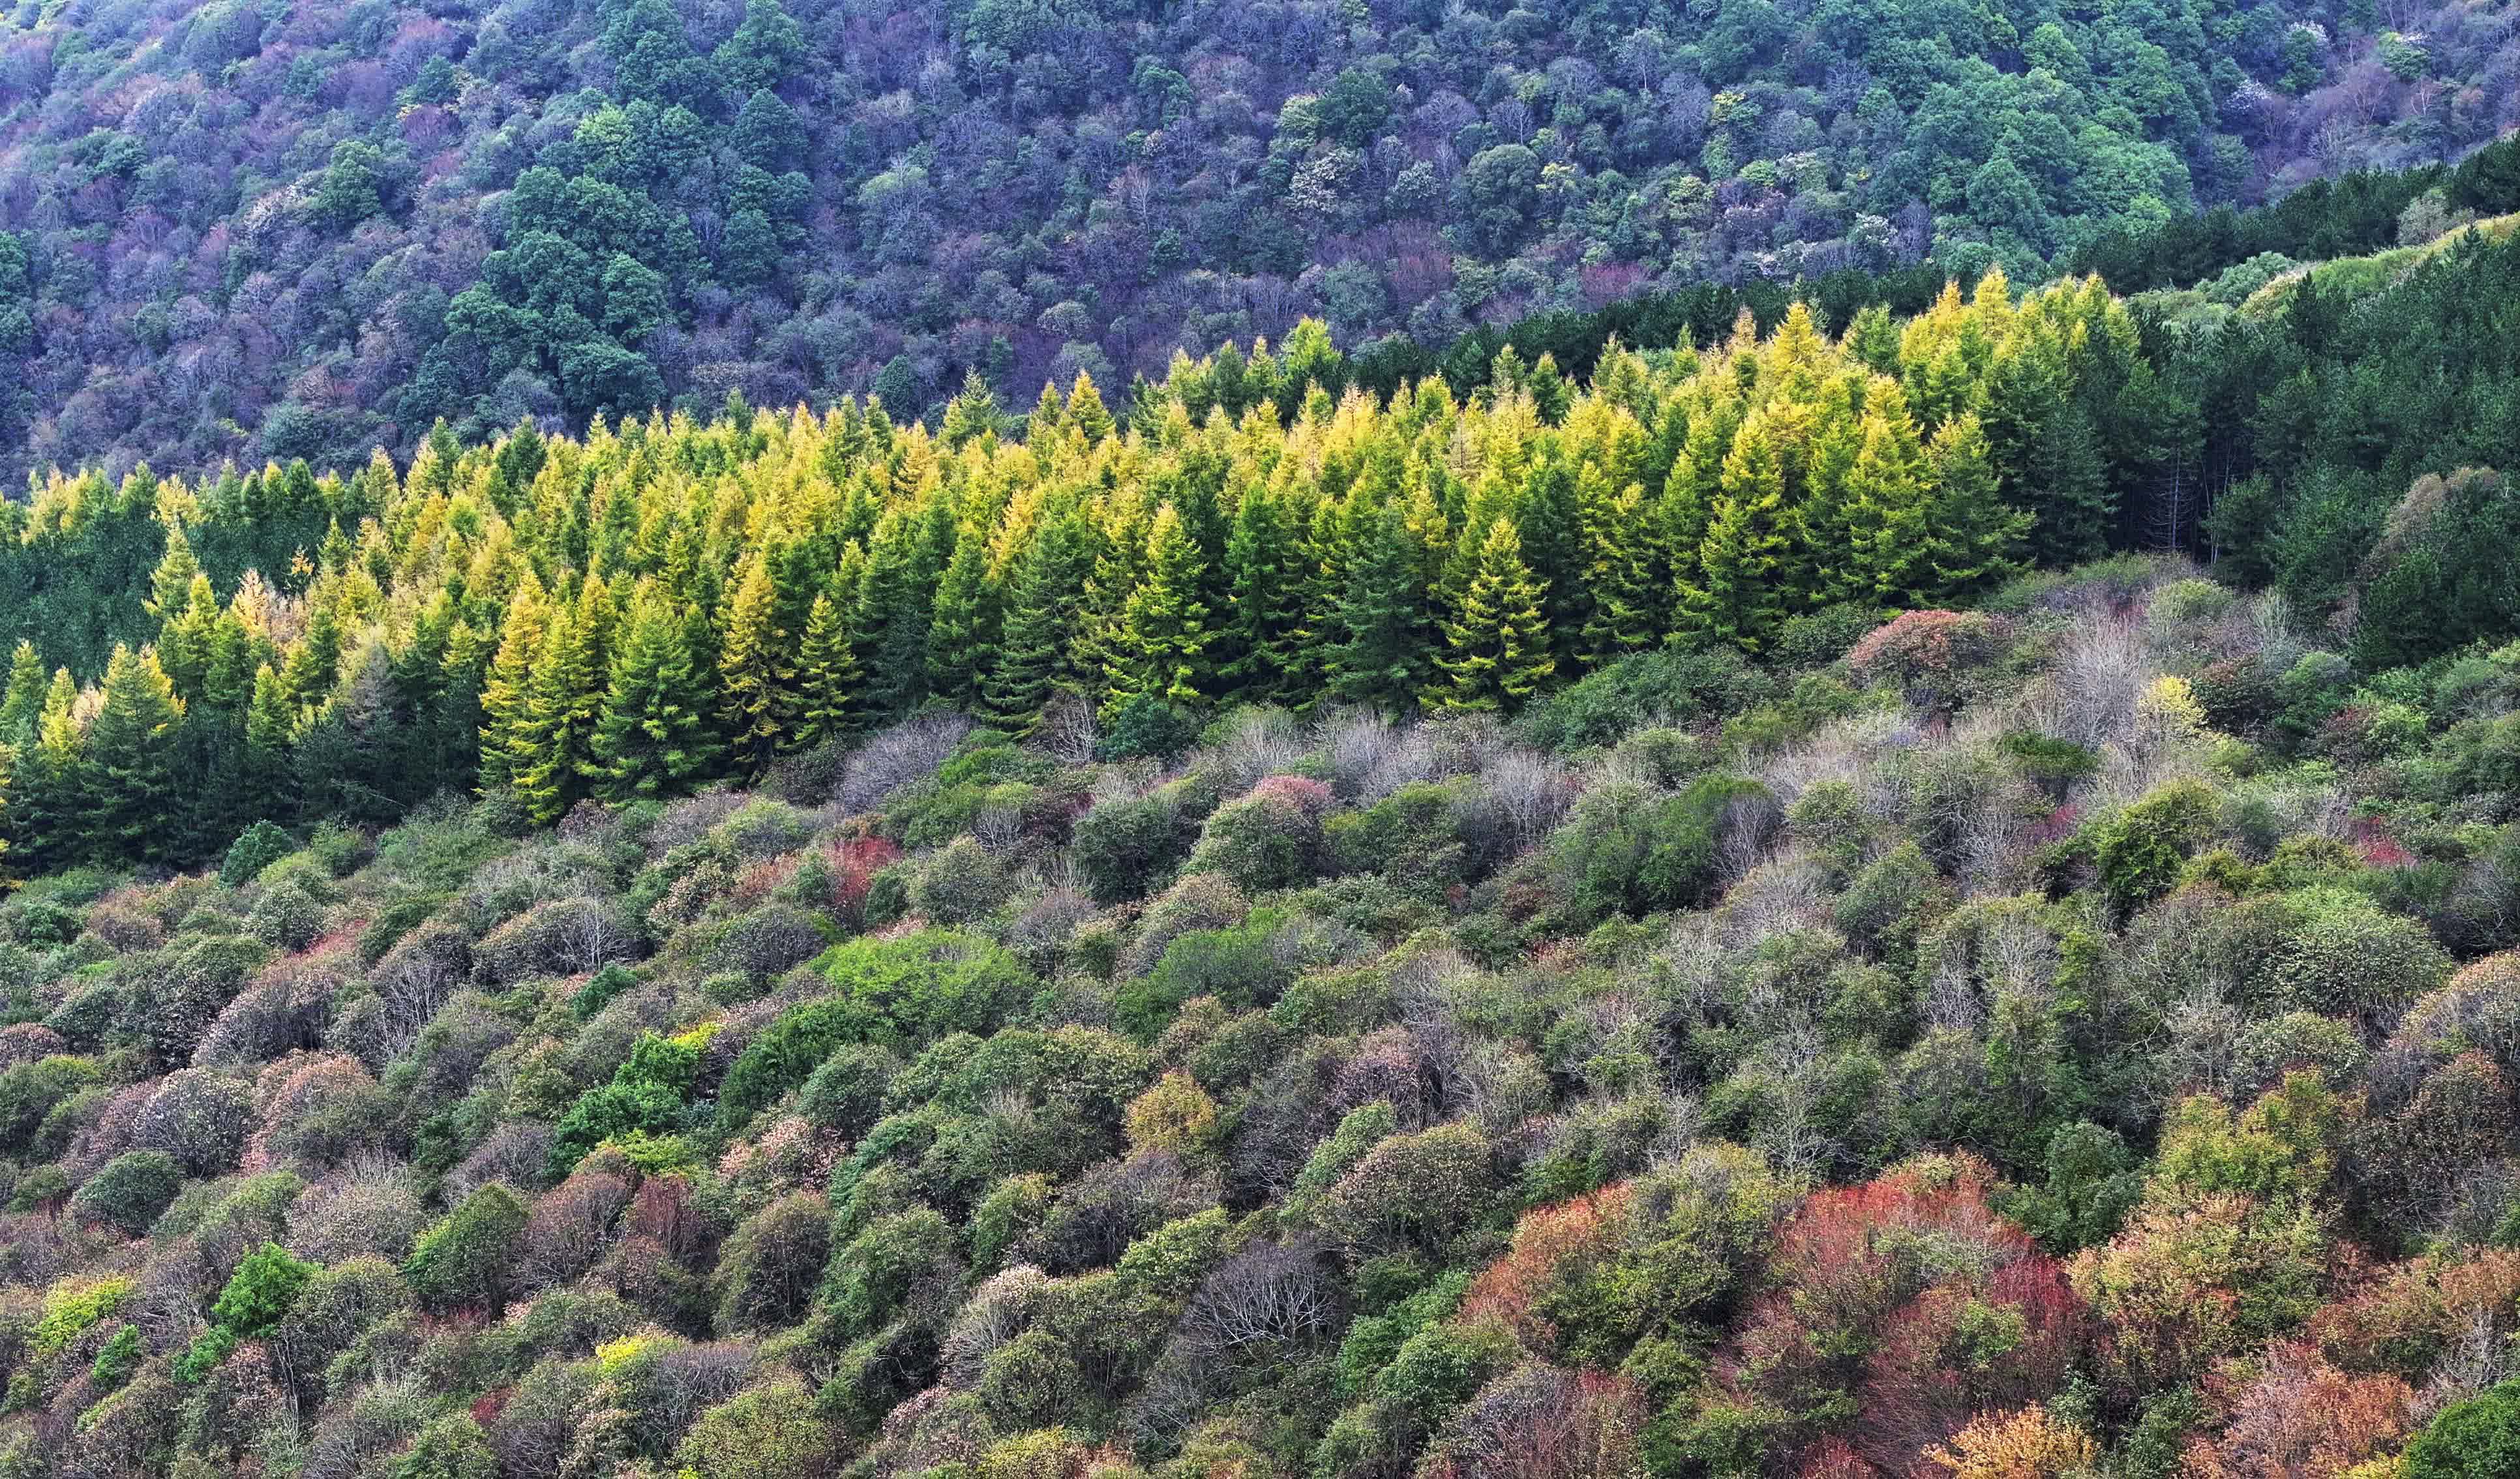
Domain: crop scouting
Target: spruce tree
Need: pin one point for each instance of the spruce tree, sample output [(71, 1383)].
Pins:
[(1737, 596), (1381, 653), (547, 770), (1972, 537), (754, 672), (507, 694), (52, 800), (961, 630), (1628, 602), (267, 768), (130, 754), (24, 703), (1497, 647), (655, 735), (1264, 595), (1032, 649), (1163, 623), (827, 676)]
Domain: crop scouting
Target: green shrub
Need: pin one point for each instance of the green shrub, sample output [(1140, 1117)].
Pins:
[(75, 1305), (466, 1260), (116, 1360), (261, 1291), (2475, 1439), (29, 1090), (131, 1192), (1631, 850), (2140, 852), (255, 848), (452, 1447), (1125, 849)]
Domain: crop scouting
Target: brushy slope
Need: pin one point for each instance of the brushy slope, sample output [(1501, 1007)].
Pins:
[(2068, 1031)]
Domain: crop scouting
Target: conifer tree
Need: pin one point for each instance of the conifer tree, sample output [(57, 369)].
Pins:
[(1497, 647), (314, 662), (507, 694), (23, 702), (962, 630), (1032, 649), (1163, 630), (1626, 600), (52, 803), (753, 673), (1972, 537), (1881, 539), (1264, 595), (130, 759), (265, 770), (1381, 653), (827, 676), (548, 768), (654, 735), (1737, 595)]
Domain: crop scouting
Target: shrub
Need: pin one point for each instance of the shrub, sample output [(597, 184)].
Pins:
[(1413, 1191), (2141, 851), (261, 1291), (1124, 849), (2475, 1439), (453, 1447), (200, 1116), (1629, 850), (895, 993), (1146, 726), (74, 1306), (959, 884), (131, 1193), (1269, 839), (284, 919), (846, 1093), (29, 1090), (116, 1358), (768, 1432), (563, 937), (1930, 656), (255, 848), (2349, 957), (468, 1259), (1175, 1116), (773, 1263)]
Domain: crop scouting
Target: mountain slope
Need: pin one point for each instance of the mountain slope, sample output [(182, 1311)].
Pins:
[(249, 231)]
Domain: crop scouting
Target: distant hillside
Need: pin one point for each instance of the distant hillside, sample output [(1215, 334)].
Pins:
[(240, 230)]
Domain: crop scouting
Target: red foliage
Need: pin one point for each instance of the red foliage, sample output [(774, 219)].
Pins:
[(1924, 650), (1547, 1243), (1834, 1459), (856, 861), (662, 1210), (1909, 1299), (1309, 796), (2378, 848), (2056, 826)]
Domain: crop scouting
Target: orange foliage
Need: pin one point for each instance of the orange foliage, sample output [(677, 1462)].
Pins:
[(2024, 1444), (2300, 1417), (1512, 1289)]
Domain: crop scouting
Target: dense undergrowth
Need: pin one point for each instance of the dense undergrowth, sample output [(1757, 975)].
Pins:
[(2072, 1036)]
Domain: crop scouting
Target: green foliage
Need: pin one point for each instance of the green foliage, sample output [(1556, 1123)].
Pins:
[(255, 848), (2469, 1440), (130, 1191), (466, 1260), (260, 1292)]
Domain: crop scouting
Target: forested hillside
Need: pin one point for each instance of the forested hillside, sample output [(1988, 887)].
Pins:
[(2069, 1037), (250, 231)]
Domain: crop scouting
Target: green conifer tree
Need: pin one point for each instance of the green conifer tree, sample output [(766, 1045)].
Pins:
[(655, 735), (1497, 647), (1163, 630), (131, 751), (827, 679), (1384, 632), (754, 672), (1738, 596)]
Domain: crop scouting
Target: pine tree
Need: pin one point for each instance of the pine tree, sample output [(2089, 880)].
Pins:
[(130, 753), (1497, 647), (1737, 596), (754, 675), (314, 663), (1163, 623), (655, 735), (827, 677), (1881, 540)]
